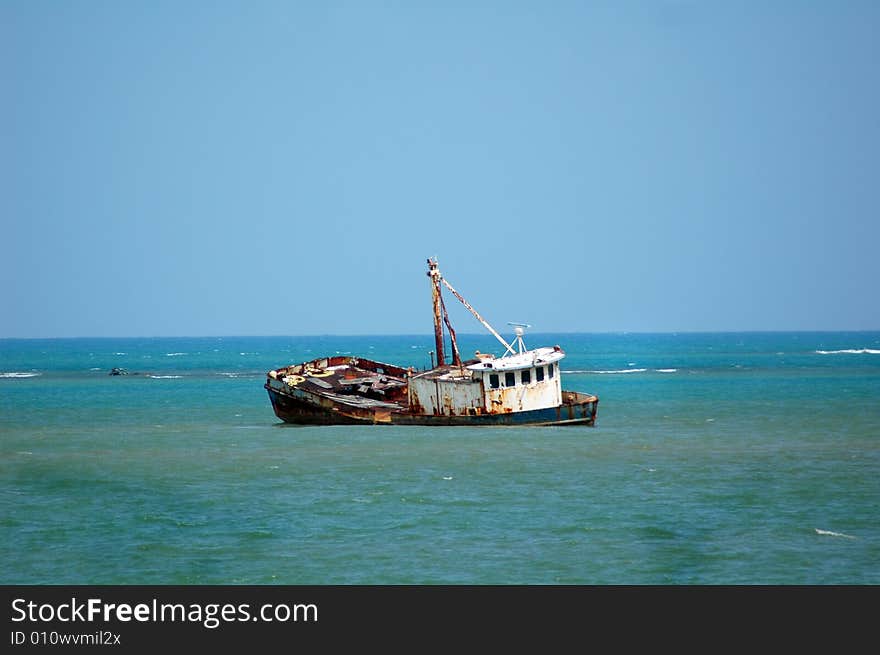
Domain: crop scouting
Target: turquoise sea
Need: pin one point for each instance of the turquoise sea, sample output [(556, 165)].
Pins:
[(716, 459)]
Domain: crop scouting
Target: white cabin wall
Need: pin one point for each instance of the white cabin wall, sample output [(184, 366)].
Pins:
[(523, 397)]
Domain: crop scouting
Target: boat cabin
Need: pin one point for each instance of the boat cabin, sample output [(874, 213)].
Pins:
[(527, 380)]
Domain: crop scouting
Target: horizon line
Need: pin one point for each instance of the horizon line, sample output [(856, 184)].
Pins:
[(431, 335)]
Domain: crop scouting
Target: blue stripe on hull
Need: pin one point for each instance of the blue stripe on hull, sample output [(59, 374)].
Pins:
[(550, 416)]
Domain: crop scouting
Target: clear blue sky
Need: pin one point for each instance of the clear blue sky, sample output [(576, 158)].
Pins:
[(260, 168)]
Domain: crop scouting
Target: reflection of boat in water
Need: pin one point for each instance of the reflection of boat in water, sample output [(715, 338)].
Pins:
[(521, 387)]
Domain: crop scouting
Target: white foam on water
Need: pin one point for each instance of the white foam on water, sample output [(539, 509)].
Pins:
[(165, 377), (614, 372), (829, 533), (174, 354), (620, 371), (850, 351), (19, 374)]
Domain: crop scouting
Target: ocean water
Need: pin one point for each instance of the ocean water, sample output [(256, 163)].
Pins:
[(716, 459)]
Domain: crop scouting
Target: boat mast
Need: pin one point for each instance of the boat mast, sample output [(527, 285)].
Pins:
[(440, 316), (434, 274), (456, 356)]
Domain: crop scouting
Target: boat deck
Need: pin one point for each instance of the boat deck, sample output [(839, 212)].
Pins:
[(350, 381)]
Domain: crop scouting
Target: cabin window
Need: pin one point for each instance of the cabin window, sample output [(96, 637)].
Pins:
[(539, 374), (509, 379), (550, 369), (526, 376), (493, 380)]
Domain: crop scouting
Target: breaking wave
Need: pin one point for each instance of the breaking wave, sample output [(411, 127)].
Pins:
[(18, 374), (850, 351), (829, 533), (174, 354), (165, 377), (612, 372), (622, 371)]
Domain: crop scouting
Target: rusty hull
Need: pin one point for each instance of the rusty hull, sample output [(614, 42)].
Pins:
[(351, 390)]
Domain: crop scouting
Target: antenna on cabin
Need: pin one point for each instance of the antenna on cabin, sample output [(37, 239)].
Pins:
[(519, 329)]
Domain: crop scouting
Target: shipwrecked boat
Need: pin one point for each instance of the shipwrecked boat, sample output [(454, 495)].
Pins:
[(520, 387)]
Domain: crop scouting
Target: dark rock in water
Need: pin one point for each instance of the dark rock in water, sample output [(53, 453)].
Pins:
[(118, 371)]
